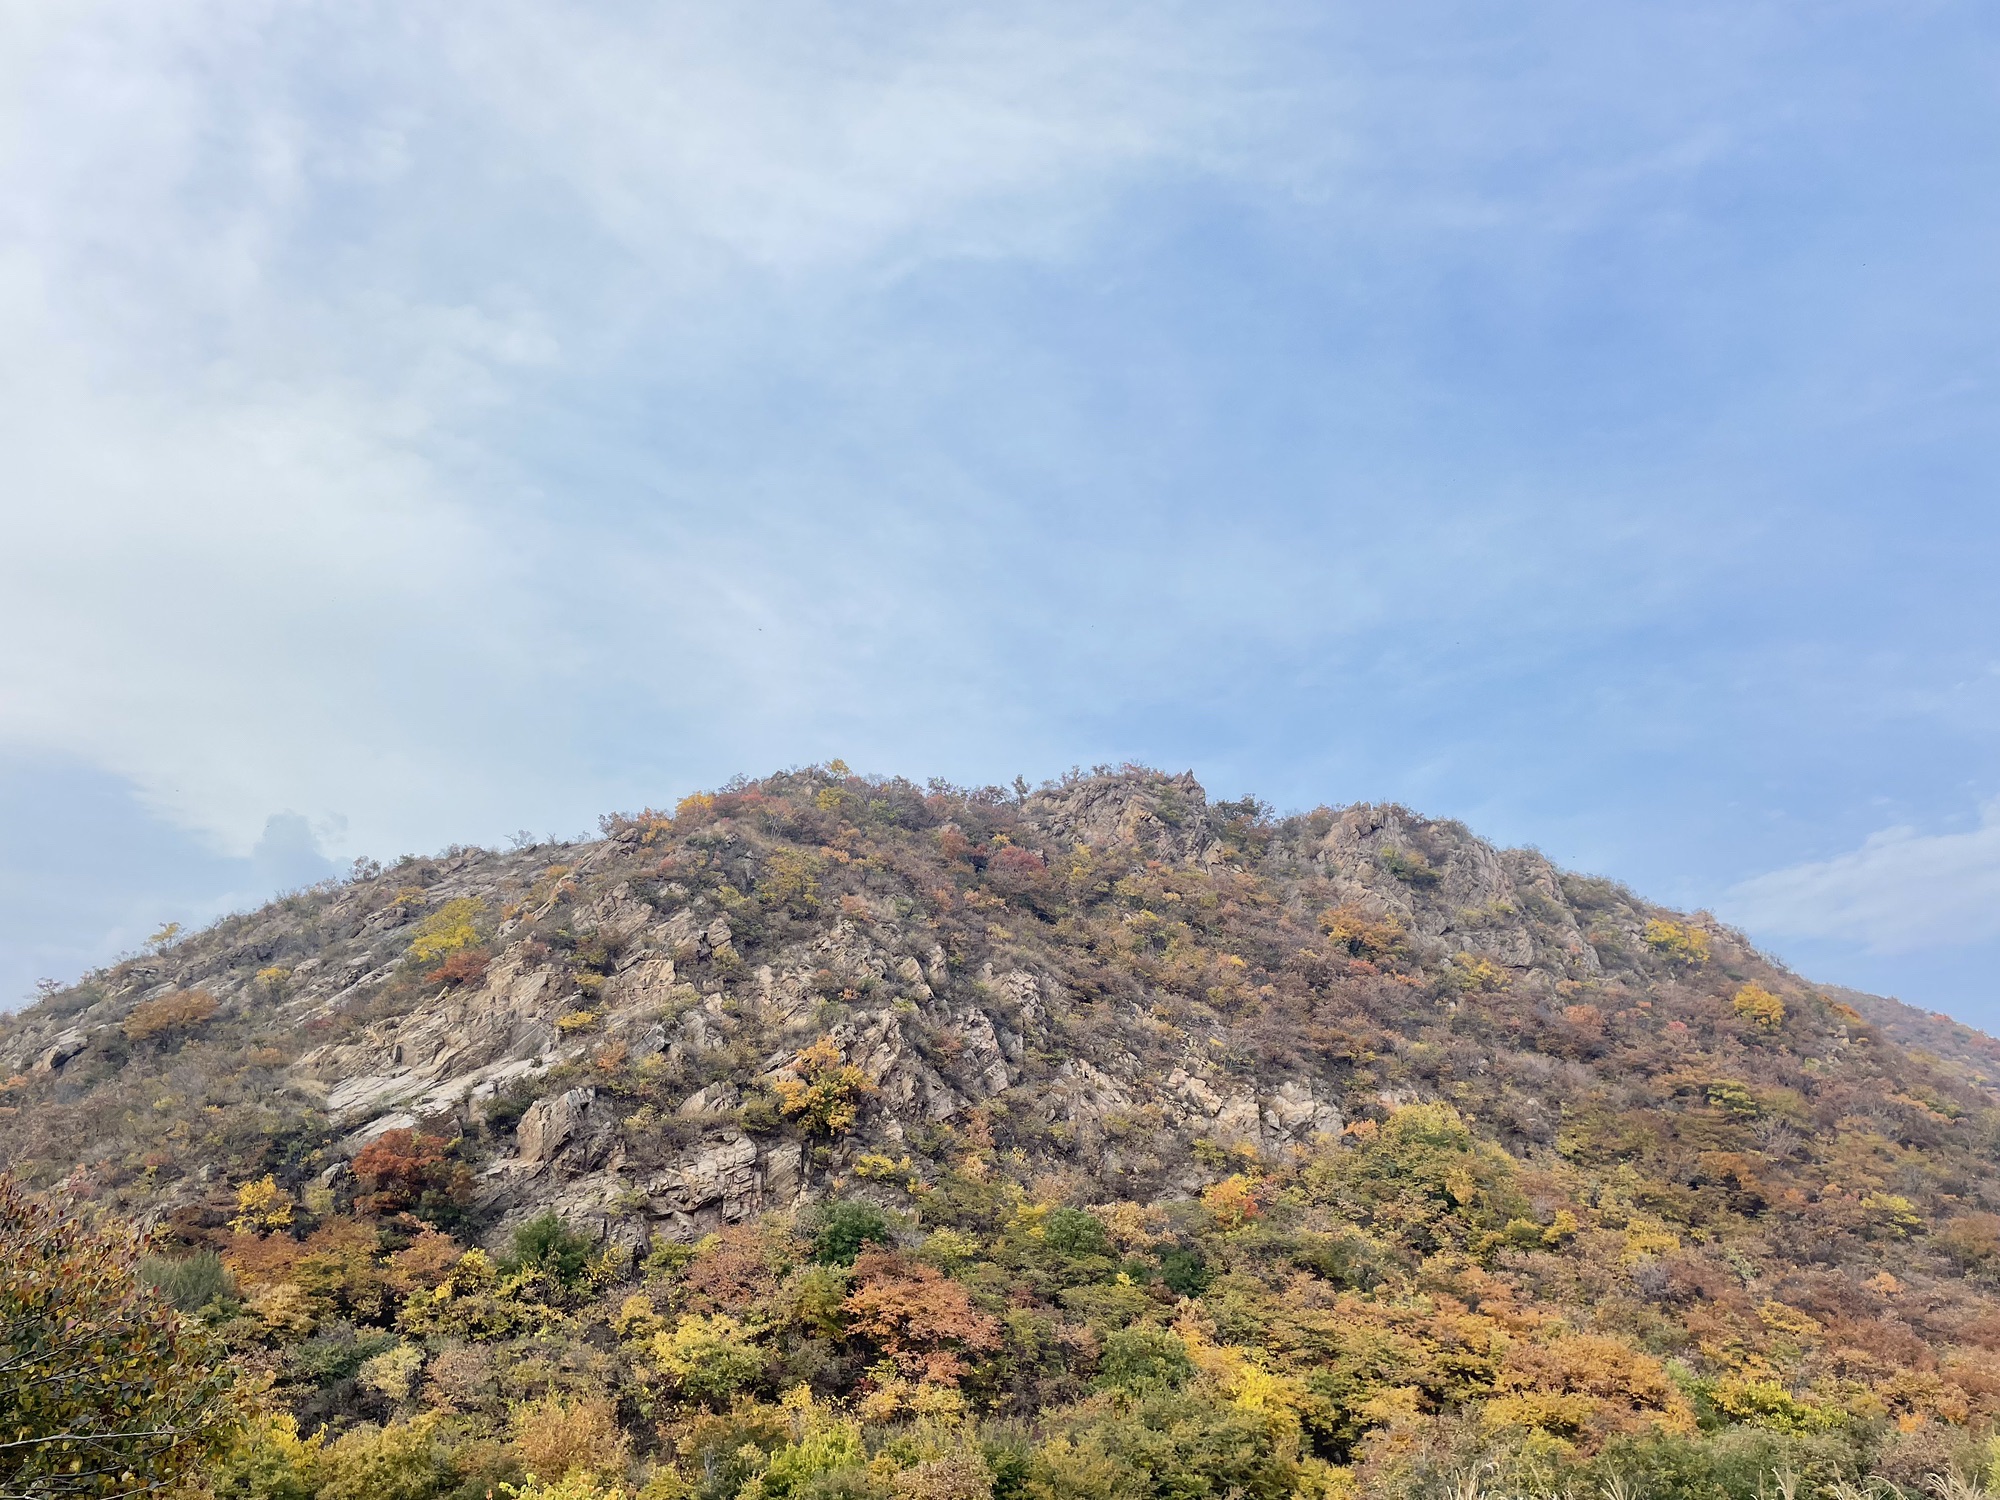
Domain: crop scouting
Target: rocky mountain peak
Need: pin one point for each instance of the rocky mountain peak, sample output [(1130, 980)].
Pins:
[(1131, 806), (1356, 1052)]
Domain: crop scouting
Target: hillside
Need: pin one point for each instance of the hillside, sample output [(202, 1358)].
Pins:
[(842, 1136)]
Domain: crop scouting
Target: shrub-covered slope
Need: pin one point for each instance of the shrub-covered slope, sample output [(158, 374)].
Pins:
[(833, 1134)]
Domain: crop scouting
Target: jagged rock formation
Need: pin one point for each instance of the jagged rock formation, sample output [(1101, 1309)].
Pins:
[(680, 988), (1525, 1146)]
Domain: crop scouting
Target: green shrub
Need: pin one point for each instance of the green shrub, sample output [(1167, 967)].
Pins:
[(191, 1282), (839, 1231), (1412, 868), (548, 1245), (1073, 1233), (335, 1353), (1144, 1358), (1735, 1464), (1185, 1271)]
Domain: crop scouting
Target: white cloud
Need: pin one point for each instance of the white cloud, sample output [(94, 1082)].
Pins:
[(239, 599), (289, 292), (275, 277), (1901, 890), (801, 133)]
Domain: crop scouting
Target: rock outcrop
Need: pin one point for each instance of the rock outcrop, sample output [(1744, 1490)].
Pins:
[(1089, 968)]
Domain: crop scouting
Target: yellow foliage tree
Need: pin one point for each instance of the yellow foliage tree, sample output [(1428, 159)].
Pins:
[(181, 1011), (393, 1371), (580, 1485), (446, 930), (369, 1463), (1473, 974), (1677, 940), (791, 880), (711, 1357), (558, 1436), (1758, 1005), (267, 1458), (1362, 934), (1233, 1201), (261, 1207), (1585, 1387), (826, 1094)]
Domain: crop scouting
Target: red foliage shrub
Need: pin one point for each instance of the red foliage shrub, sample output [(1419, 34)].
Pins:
[(733, 1274), (402, 1170), (467, 966), (922, 1319), (1015, 871)]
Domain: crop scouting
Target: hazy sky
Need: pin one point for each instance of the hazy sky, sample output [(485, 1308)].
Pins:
[(424, 421)]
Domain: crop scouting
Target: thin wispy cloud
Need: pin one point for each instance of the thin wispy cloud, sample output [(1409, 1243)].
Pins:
[(451, 420), (1900, 891), (278, 275)]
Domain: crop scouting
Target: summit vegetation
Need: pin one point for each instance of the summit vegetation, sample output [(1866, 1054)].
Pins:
[(839, 1138)]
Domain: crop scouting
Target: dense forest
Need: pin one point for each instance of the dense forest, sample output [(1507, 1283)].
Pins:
[(833, 1136)]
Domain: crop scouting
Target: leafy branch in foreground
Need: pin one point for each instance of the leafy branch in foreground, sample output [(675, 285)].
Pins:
[(104, 1388)]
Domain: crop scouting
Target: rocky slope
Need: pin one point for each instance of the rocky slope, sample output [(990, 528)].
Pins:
[(945, 999), (1108, 991)]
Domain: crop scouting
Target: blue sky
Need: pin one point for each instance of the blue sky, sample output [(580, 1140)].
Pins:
[(424, 422)]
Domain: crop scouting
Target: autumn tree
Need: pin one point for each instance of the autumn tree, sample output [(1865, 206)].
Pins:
[(1360, 933), (712, 1358), (922, 1319), (791, 881), (825, 1092), (446, 930), (407, 1171), (1759, 1006), (559, 1435), (261, 1207), (1681, 941), (104, 1388), (1016, 872), (180, 1012)]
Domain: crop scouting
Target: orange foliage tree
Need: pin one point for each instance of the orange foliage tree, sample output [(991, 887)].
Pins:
[(404, 1171), (923, 1320), (183, 1010)]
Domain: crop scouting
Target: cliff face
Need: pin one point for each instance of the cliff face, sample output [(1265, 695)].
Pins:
[(1107, 992), (943, 943), (1110, 969)]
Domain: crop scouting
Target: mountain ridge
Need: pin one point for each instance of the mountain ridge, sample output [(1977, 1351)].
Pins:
[(1771, 1204)]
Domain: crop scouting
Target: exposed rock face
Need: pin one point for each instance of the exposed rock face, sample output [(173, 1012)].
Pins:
[(1167, 813), (459, 1045), (645, 999), (551, 1124), (1291, 1112), (66, 1045)]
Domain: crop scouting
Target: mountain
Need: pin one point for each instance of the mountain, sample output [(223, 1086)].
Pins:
[(841, 1135)]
